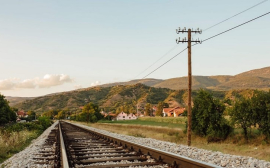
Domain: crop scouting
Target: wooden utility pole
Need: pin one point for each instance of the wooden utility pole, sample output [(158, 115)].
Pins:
[(189, 74), (189, 88)]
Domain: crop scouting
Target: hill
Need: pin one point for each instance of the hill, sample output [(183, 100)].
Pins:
[(109, 98), (127, 95), (254, 79), (17, 100)]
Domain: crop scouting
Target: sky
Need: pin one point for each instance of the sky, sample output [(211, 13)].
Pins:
[(54, 46)]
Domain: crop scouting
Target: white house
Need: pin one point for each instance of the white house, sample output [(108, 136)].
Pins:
[(125, 116), (131, 116)]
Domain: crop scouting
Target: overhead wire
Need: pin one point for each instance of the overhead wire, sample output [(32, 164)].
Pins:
[(207, 40), (235, 15), (204, 31), (164, 63)]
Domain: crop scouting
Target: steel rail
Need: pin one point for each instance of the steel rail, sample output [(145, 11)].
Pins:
[(176, 161), (63, 150)]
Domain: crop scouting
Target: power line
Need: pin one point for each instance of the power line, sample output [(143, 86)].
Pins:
[(208, 39), (157, 60), (235, 15), (204, 31), (236, 26), (164, 63)]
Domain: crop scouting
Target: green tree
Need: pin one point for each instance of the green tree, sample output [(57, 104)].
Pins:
[(61, 114), (241, 114), (31, 115), (160, 107), (260, 103), (91, 113), (6, 113), (207, 117), (148, 110)]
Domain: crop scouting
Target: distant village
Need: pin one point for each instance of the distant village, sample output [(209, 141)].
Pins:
[(167, 112)]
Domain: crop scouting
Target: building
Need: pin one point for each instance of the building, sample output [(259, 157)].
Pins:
[(125, 116), (21, 114), (173, 112)]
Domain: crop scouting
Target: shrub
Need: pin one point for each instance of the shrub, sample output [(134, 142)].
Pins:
[(45, 122), (207, 117)]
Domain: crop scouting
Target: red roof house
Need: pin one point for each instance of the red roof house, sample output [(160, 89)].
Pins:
[(173, 112)]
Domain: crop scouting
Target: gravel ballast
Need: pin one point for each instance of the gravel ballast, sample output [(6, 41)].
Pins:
[(216, 158), (25, 158)]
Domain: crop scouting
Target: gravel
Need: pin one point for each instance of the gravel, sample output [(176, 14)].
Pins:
[(25, 157), (215, 158)]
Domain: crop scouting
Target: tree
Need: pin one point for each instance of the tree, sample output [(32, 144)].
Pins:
[(31, 115), (207, 117), (148, 110), (160, 107), (61, 114), (6, 113), (241, 114), (90, 113), (260, 103)]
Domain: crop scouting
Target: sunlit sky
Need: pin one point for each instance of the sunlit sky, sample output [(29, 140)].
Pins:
[(53, 46)]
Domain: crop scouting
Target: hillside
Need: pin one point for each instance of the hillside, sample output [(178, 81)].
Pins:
[(109, 98), (254, 79), (126, 95), (17, 100)]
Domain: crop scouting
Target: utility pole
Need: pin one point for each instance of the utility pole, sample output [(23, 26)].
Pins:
[(189, 40)]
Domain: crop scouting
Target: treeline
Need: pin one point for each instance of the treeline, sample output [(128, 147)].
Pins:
[(7, 114), (89, 113), (247, 113)]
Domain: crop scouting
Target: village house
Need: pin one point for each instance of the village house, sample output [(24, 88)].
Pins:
[(173, 112), (125, 116), (21, 114)]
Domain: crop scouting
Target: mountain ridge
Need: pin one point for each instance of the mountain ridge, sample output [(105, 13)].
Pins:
[(153, 90)]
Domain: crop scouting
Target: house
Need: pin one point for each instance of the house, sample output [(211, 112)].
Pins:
[(21, 114), (131, 116), (125, 116), (173, 112)]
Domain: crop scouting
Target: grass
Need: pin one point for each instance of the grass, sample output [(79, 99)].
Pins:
[(169, 122), (171, 130), (14, 142), (16, 136)]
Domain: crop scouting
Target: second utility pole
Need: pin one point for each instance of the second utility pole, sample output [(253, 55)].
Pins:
[(189, 74), (189, 88)]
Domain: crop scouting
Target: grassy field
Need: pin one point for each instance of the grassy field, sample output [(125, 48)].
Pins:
[(14, 142), (178, 122), (15, 137), (171, 130)]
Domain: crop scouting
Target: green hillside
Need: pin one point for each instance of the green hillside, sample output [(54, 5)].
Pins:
[(127, 95), (109, 98)]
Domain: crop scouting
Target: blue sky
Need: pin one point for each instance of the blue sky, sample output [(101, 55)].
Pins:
[(54, 46)]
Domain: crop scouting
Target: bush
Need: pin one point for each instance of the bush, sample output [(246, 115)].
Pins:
[(207, 117), (45, 122)]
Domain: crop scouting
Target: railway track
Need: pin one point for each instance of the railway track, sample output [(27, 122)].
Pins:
[(49, 156), (70, 145)]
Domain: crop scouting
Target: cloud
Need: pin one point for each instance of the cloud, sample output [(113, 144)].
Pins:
[(7, 84), (95, 83), (45, 82), (53, 80), (27, 83)]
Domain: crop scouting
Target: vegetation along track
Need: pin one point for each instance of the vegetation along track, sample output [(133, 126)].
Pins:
[(86, 148)]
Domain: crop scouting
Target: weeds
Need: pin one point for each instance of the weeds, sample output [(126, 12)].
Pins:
[(15, 137)]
